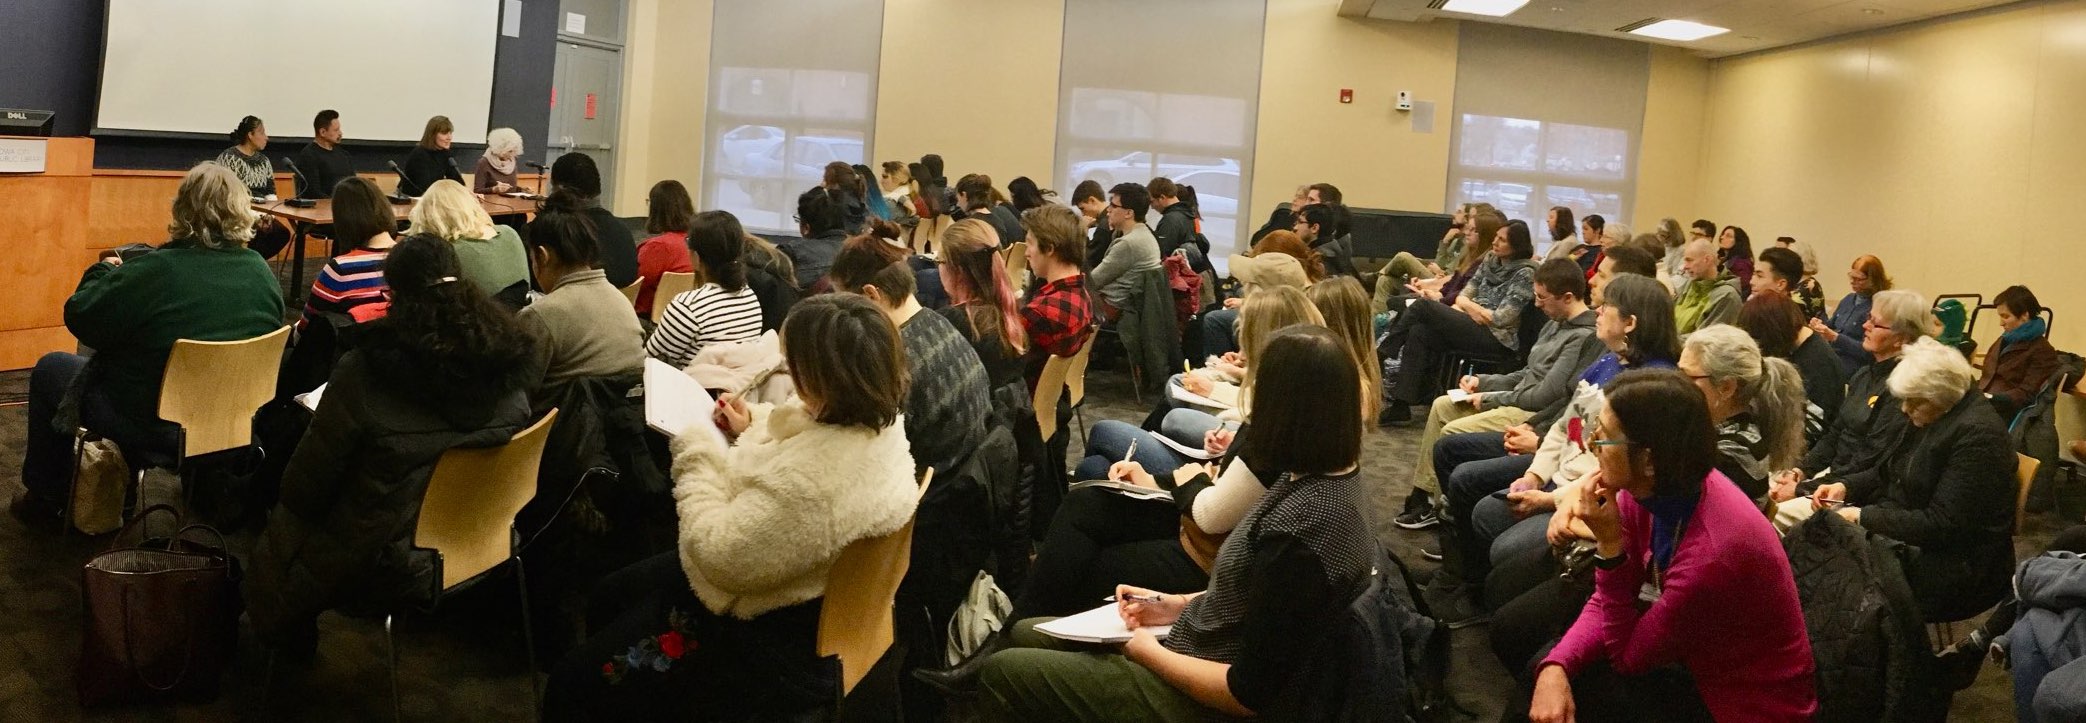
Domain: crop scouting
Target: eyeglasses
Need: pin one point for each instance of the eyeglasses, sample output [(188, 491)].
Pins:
[(1600, 438)]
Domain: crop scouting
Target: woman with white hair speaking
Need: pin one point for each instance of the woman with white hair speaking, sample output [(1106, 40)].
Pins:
[(1946, 487), (495, 172)]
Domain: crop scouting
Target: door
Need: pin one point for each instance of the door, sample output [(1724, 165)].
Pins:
[(586, 93)]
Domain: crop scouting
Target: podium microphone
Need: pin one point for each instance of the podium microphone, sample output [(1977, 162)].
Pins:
[(457, 172), (540, 173), (303, 183), (400, 196)]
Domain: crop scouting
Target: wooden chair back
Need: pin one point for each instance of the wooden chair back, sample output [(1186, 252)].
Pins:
[(213, 388), (468, 512), (856, 618), (630, 292), (1018, 265), (1061, 375), (2024, 477), (671, 284)]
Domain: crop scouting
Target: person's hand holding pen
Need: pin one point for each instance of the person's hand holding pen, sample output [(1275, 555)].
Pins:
[(1132, 472), (1834, 497), (1145, 608), (732, 416)]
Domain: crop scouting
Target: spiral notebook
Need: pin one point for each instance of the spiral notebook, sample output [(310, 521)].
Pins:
[(1099, 625)]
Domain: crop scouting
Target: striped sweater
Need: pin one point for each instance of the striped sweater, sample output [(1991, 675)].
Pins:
[(349, 280), (696, 319)]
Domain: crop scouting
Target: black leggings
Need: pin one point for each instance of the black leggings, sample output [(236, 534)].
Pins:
[(1100, 539)]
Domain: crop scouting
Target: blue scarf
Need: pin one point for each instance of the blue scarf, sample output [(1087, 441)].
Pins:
[(2033, 328), (1668, 514)]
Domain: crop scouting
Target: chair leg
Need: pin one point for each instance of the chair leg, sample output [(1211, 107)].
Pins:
[(1079, 420), (521, 584), (391, 657)]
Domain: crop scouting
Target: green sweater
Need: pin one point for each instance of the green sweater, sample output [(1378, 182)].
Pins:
[(131, 315), (495, 263)]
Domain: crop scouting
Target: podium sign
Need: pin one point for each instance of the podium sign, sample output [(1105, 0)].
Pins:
[(23, 155)]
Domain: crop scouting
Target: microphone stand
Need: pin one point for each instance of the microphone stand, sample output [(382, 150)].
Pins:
[(298, 200)]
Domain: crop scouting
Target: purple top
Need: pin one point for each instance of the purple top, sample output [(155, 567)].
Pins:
[(1454, 286), (1727, 611)]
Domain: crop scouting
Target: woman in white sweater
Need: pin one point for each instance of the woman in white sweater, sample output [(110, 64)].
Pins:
[(725, 627)]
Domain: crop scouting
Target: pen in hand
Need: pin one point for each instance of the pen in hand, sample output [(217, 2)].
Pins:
[(1127, 597)]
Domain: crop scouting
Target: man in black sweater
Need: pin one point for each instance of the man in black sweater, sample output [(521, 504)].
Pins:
[(323, 163)]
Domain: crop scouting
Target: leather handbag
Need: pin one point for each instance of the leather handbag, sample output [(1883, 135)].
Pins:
[(161, 617)]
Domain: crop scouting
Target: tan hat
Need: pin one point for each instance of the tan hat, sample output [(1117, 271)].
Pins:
[(1270, 269)]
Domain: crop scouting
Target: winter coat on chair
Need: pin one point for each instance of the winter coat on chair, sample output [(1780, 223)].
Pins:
[(1867, 643), (342, 532), (762, 520), (2048, 636)]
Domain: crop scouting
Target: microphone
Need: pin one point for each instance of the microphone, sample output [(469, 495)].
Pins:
[(533, 164), (400, 196), (304, 183), (457, 173), (540, 173)]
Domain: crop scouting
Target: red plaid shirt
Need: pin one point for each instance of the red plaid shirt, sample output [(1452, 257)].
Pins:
[(1059, 316)]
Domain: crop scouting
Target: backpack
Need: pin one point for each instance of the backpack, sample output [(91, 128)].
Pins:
[(1186, 285), (984, 611), (2034, 430)]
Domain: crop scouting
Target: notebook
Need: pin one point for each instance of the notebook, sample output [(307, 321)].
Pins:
[(1181, 393), (310, 399), (676, 402), (1125, 489), (1184, 450), (1099, 625)]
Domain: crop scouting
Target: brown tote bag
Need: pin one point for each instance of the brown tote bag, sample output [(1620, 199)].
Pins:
[(161, 617)]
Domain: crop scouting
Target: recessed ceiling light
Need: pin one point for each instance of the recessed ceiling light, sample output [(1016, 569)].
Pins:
[(1494, 8), (1678, 30)]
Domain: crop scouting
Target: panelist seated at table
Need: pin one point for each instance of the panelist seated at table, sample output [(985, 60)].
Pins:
[(430, 161), (246, 161), (495, 172), (323, 163)]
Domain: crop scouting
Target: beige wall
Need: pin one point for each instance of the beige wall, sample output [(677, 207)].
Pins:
[(1004, 124), (666, 86), (1937, 147), (1367, 148), (1669, 149)]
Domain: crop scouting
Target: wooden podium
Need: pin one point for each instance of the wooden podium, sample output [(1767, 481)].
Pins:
[(43, 229)]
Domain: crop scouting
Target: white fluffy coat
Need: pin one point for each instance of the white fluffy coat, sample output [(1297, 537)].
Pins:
[(763, 520)]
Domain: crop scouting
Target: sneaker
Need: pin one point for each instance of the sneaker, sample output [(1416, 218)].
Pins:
[(1395, 414), (1430, 554), (1419, 520), (1459, 612)]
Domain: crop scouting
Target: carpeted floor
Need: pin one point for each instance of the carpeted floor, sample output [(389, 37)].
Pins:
[(466, 661)]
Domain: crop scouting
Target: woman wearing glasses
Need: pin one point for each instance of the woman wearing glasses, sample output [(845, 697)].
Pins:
[(1844, 330), (1694, 614)]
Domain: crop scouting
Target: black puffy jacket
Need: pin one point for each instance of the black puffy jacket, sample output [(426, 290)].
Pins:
[(1867, 643)]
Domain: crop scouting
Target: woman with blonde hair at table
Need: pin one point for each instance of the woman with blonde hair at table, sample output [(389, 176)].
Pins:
[(492, 254)]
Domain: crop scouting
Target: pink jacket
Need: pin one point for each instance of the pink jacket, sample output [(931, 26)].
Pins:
[(1728, 612)]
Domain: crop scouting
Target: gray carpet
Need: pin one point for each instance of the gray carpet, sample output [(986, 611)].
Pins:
[(466, 662)]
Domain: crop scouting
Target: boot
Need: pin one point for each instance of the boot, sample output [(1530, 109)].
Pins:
[(961, 680)]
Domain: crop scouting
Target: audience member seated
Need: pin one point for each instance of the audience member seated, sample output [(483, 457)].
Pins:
[(669, 211), (431, 160), (1755, 400), (1617, 261), (983, 309), (583, 324), (1869, 420), (1177, 222), (1345, 308), (1844, 330), (1735, 258), (1090, 202), (773, 278), (980, 200), (1710, 296), (761, 522), (495, 171), (947, 396), (2021, 360), (1498, 501), (822, 228), (1813, 294), (202, 284), (576, 175), (840, 182), (1277, 259), (1134, 251), (1110, 441), (1404, 269), (1946, 487), (1780, 271), (491, 254), (353, 283), (1495, 402), (1777, 326), (1484, 320), (879, 205), (1564, 244), (1723, 636), (446, 367), (1672, 249), (1058, 319), (1276, 597), (721, 308), (1321, 226)]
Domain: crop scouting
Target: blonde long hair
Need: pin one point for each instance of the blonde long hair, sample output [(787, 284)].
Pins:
[(448, 211), (1266, 311), (1346, 310)]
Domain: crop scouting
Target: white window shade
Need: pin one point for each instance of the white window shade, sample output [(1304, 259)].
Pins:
[(1163, 88), (783, 104), (1547, 119)]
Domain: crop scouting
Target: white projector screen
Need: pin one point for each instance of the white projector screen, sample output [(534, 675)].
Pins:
[(387, 65)]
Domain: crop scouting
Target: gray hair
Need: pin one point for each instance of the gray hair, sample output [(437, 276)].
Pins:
[(1615, 232), (1670, 234), (1932, 373), (1771, 388), (1905, 312), (503, 142), (212, 208), (1810, 257)]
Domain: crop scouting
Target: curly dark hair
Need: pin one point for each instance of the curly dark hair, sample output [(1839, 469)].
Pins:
[(443, 338)]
